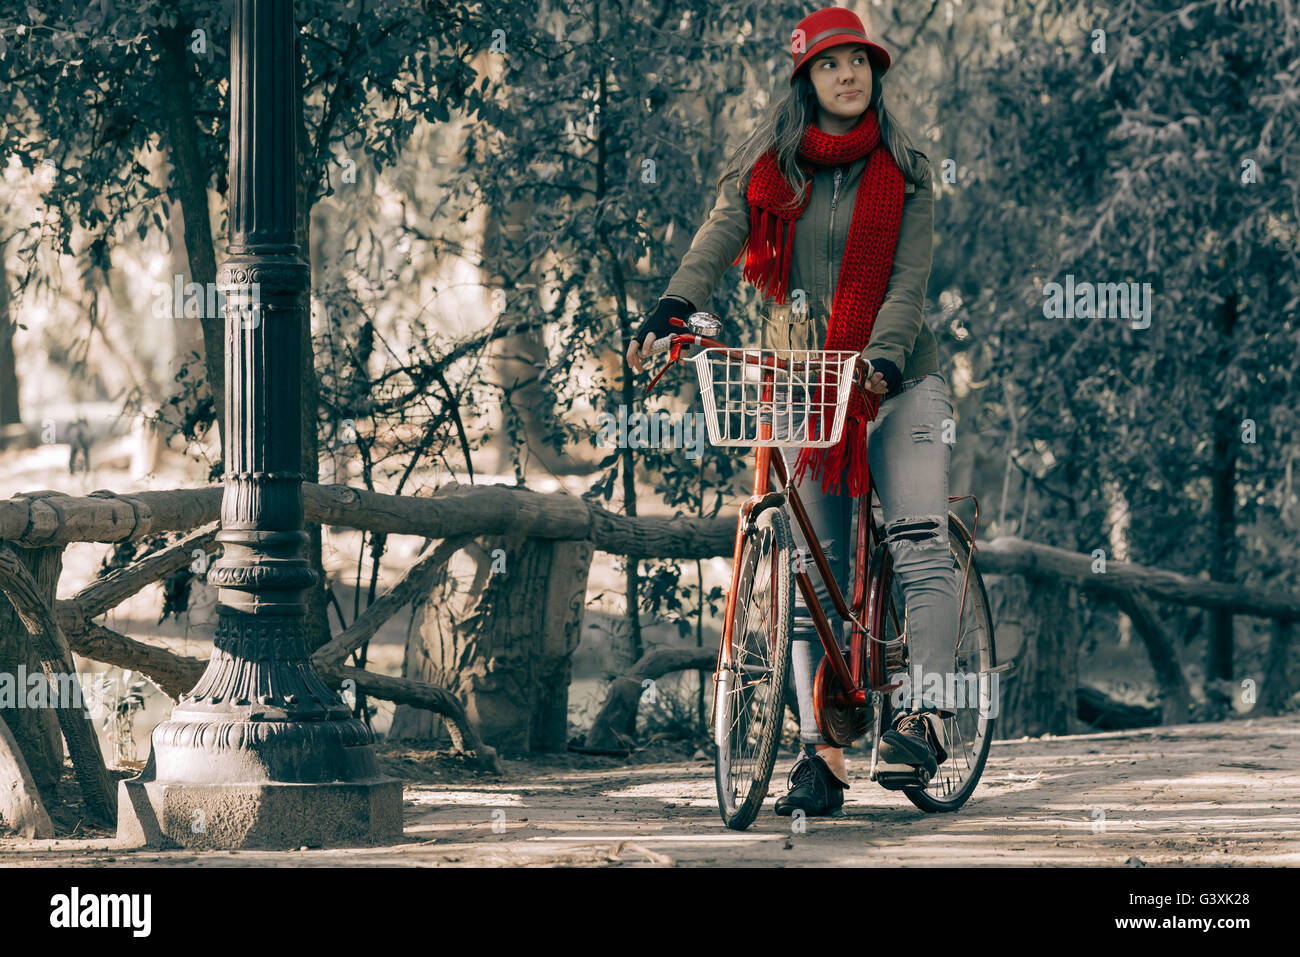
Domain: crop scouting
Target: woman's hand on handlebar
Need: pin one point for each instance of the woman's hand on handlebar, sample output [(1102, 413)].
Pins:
[(876, 382), (883, 377), (669, 317)]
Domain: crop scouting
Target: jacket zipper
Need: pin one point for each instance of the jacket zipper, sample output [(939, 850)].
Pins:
[(830, 239)]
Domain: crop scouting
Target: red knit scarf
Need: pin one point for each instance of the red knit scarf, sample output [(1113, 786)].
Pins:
[(864, 271)]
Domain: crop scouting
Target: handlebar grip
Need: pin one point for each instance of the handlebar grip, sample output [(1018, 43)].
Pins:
[(660, 345)]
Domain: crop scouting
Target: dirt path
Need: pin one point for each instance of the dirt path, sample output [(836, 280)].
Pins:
[(1210, 794)]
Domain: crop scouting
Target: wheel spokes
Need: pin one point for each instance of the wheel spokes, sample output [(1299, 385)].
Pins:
[(965, 730), (752, 667)]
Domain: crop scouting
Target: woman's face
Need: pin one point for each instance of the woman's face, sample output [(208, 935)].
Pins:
[(841, 75)]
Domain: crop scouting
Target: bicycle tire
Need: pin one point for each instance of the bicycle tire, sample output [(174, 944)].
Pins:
[(744, 723), (949, 789)]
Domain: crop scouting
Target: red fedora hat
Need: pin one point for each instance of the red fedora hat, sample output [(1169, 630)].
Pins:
[(829, 27)]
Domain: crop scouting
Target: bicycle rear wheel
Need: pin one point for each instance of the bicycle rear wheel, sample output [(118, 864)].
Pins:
[(968, 733), (750, 696)]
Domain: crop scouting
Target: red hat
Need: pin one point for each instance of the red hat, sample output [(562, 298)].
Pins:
[(829, 27)]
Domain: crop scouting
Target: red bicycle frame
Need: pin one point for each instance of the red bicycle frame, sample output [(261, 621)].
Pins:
[(862, 664)]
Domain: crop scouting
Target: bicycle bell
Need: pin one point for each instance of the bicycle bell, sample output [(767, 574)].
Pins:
[(704, 324)]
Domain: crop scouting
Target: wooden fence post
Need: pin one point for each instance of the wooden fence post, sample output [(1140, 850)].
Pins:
[(21, 807), (36, 730), (498, 630), (62, 685), (566, 600), (1277, 686), (1041, 693)]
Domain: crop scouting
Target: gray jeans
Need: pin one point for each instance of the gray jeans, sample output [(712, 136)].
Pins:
[(909, 468)]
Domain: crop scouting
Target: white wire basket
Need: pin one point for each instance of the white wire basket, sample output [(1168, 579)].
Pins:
[(780, 398)]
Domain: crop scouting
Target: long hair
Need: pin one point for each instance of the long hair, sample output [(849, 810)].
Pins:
[(783, 128)]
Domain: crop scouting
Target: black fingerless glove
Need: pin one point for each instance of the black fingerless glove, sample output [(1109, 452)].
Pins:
[(669, 317), (893, 376)]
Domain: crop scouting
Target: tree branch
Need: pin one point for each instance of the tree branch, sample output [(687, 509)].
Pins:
[(414, 581)]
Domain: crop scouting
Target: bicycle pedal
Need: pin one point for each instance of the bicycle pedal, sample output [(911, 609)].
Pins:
[(896, 777)]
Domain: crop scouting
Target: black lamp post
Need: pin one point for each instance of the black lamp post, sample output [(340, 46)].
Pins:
[(261, 753)]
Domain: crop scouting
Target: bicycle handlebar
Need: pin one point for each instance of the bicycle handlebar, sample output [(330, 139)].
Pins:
[(675, 340)]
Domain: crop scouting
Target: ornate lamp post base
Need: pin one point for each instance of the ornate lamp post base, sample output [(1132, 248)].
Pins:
[(236, 769), (248, 778)]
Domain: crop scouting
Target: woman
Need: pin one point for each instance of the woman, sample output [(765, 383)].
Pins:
[(837, 218)]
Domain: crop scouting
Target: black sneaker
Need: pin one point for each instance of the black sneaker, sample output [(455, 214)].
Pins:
[(812, 788), (913, 741)]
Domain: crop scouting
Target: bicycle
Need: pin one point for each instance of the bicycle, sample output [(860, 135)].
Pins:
[(768, 399)]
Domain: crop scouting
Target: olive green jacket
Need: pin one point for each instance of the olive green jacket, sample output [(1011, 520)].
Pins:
[(899, 334)]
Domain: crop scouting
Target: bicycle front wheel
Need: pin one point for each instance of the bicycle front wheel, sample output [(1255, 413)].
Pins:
[(750, 696)]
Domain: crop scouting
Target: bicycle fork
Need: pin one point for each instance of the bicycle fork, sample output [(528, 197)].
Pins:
[(724, 673)]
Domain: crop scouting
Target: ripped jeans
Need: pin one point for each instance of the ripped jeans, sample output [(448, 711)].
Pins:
[(909, 468)]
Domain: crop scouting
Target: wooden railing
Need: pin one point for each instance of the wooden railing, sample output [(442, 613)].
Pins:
[(43, 632), (36, 527)]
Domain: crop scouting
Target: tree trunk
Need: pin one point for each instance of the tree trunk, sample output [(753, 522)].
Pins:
[(191, 179), (21, 807), (1040, 695), (520, 359), (317, 623), (566, 601), (498, 630), (619, 291), (1164, 653), (9, 411), (36, 730), (1223, 480)]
